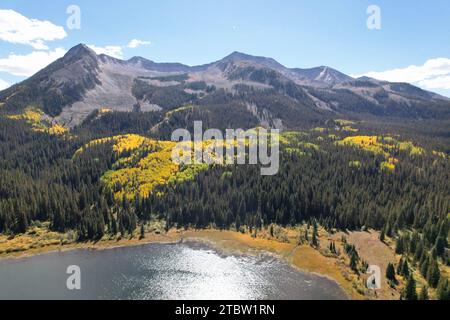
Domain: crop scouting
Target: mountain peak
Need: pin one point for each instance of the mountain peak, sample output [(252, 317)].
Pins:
[(140, 62), (137, 59), (237, 56), (79, 51)]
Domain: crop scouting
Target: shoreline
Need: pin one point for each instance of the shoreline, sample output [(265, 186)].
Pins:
[(90, 245), (303, 258), (206, 242)]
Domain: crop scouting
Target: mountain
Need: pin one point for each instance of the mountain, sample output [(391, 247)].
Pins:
[(60, 84), (322, 76), (258, 88)]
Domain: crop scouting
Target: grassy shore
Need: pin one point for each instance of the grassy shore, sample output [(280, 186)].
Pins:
[(282, 242), (303, 257), (40, 240)]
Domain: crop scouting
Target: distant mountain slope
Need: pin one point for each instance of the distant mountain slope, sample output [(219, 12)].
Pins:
[(322, 76), (71, 88), (60, 84)]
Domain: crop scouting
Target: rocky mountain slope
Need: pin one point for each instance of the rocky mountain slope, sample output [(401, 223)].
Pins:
[(71, 88)]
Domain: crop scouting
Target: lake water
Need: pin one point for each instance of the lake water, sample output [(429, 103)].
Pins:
[(160, 271)]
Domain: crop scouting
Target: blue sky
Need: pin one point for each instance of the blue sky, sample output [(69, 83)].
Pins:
[(296, 33)]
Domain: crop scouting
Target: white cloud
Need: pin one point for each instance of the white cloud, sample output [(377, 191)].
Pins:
[(433, 74), (117, 51), (137, 43), (29, 64), (16, 28), (440, 82), (3, 84), (113, 51)]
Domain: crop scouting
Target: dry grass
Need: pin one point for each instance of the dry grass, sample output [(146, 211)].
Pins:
[(303, 257), (375, 252), (36, 239), (44, 241), (283, 244)]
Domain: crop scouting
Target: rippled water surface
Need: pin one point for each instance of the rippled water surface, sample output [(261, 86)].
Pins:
[(160, 271)]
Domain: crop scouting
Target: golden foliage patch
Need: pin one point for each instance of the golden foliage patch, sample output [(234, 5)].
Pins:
[(33, 117), (384, 146), (143, 165)]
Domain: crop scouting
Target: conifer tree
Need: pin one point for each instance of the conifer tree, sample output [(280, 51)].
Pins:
[(315, 235), (390, 273), (238, 222), (113, 222), (410, 292), (400, 267), (382, 235), (424, 264), (354, 262), (419, 251), (405, 268), (314, 240), (443, 289), (423, 295), (433, 273), (142, 231), (400, 247)]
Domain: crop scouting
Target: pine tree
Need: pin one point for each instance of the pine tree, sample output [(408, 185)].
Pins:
[(443, 289), (400, 267), (389, 230), (390, 273), (400, 247), (405, 268), (415, 239), (238, 222), (314, 241), (419, 251), (410, 292), (315, 235), (424, 264), (142, 232), (167, 226), (423, 295), (332, 247), (440, 245), (354, 262), (121, 226), (382, 235), (441, 240), (113, 222), (433, 273)]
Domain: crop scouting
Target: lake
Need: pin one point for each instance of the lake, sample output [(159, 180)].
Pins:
[(186, 271)]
